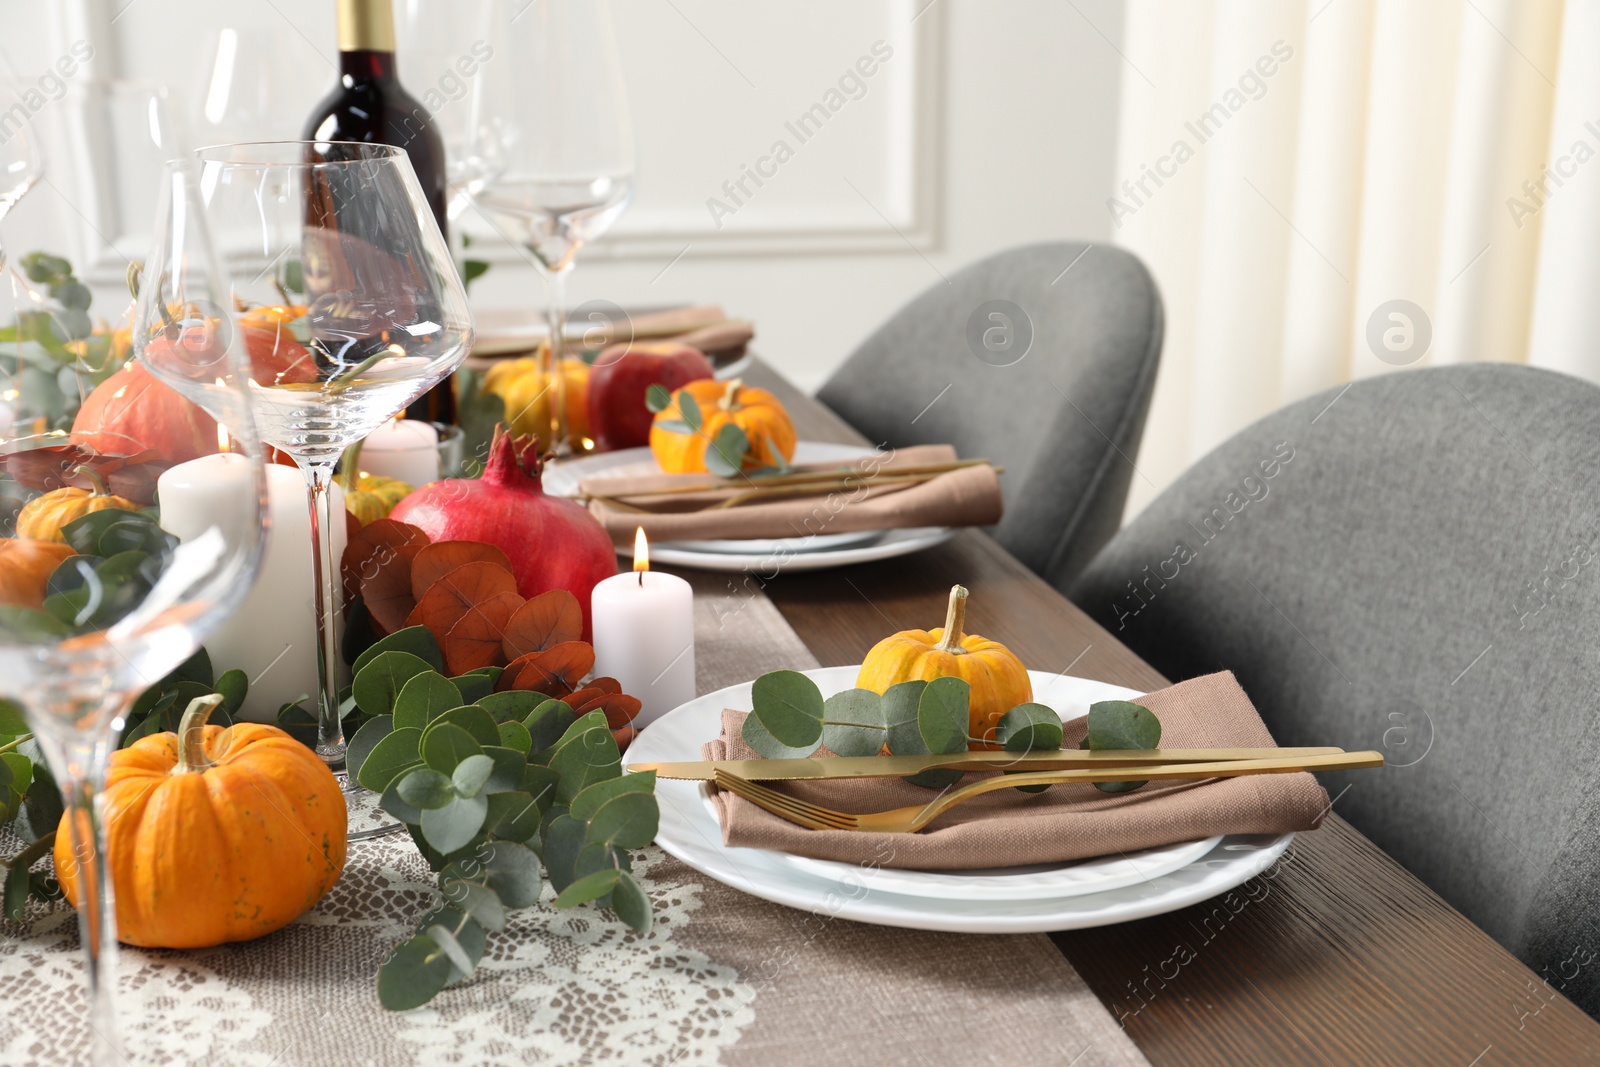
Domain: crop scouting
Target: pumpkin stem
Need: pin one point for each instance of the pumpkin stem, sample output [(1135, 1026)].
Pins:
[(730, 398), (954, 620), (97, 484), (192, 756)]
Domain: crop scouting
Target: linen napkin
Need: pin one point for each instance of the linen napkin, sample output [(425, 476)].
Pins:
[(1065, 822), (968, 496)]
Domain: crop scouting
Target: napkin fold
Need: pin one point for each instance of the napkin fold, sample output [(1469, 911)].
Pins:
[(968, 496), (1065, 822)]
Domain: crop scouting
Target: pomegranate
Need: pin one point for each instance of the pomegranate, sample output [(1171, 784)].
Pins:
[(553, 543)]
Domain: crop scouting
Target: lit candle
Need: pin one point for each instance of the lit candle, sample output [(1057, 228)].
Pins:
[(404, 449), (272, 637), (644, 635)]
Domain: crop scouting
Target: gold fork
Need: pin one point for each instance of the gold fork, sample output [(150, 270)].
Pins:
[(914, 818)]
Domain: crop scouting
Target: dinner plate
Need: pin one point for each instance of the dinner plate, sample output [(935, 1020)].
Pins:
[(812, 552), (690, 831)]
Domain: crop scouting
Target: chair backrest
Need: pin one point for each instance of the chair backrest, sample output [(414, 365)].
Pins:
[(1411, 565), (1069, 336)]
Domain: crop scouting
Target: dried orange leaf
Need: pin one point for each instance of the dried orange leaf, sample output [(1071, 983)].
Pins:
[(549, 619), (374, 546), (386, 588), (451, 597), (442, 557), (619, 708), (474, 641), (555, 672), (624, 737)]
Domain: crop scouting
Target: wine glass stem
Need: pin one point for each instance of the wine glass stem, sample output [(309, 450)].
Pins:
[(83, 764), (325, 573), (555, 382)]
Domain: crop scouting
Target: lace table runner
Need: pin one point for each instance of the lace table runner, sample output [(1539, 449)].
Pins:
[(721, 978)]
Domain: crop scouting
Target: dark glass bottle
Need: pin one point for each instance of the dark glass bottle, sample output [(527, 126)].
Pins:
[(370, 105)]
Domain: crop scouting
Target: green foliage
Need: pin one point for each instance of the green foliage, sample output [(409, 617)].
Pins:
[(789, 719), (498, 794)]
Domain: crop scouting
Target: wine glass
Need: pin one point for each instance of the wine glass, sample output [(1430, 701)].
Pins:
[(20, 164), (352, 308), (568, 154), (134, 593), (448, 55), (254, 86)]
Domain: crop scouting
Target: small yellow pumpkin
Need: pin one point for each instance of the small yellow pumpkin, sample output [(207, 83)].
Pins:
[(374, 497), (213, 834), (521, 386), (998, 679), (757, 412), (43, 517), (25, 569)]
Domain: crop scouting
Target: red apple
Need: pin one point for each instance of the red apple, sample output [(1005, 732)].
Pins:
[(618, 417)]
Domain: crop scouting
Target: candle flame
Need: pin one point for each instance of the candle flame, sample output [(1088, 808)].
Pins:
[(641, 553), (222, 438)]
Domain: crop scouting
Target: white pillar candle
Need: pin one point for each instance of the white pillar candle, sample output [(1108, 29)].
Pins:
[(643, 626), (404, 449), (273, 635)]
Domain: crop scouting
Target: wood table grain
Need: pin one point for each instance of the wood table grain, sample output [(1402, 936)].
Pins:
[(1336, 955)]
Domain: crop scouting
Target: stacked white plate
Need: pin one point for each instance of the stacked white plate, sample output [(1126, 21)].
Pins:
[(1061, 896), (815, 552)]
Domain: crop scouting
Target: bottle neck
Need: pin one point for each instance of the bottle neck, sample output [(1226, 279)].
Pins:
[(364, 65), (366, 26)]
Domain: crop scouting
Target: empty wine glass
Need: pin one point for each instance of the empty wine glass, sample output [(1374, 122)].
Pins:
[(568, 153), (20, 163), (134, 591), (351, 308)]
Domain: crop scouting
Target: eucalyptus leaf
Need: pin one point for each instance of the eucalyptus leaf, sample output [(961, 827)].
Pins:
[(414, 640), (586, 753), (514, 705), (389, 757), (586, 803), (512, 816), (768, 747), (789, 705), (904, 735), (508, 770), (365, 740), (12, 723), (590, 887), (18, 771), (395, 805), (234, 685), (547, 723), (513, 873), (380, 680), (1121, 724), (514, 735), (657, 398), (468, 934), (444, 744), (426, 789), (41, 805), (626, 821), (866, 733), (450, 827), (632, 903), (478, 901), (942, 715), (474, 686), (689, 411), (451, 947), (473, 719), (1028, 727), (724, 455), (471, 774), (677, 426), (16, 891), (413, 974), (426, 697), (540, 783), (563, 839)]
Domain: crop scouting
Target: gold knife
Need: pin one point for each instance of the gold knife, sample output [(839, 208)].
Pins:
[(900, 766)]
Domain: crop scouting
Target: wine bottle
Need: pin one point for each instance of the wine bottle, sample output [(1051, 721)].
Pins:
[(370, 105)]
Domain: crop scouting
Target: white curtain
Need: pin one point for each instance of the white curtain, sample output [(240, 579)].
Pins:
[(1321, 188)]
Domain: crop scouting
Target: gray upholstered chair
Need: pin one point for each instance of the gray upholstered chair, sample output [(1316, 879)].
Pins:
[(1413, 566), (1064, 419)]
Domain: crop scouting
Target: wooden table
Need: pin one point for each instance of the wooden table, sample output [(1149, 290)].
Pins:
[(1344, 958)]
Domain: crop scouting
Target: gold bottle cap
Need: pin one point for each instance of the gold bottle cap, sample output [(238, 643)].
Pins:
[(366, 25)]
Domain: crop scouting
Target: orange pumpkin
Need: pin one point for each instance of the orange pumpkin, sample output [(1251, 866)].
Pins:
[(133, 411), (214, 834), (998, 679), (25, 569), (521, 386), (755, 411), (43, 517)]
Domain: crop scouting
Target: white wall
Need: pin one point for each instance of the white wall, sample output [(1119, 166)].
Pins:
[(994, 123)]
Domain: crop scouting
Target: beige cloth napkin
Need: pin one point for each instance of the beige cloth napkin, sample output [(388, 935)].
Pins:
[(1065, 822), (969, 496)]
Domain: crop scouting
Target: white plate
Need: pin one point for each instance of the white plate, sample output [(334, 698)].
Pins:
[(690, 831), (814, 552)]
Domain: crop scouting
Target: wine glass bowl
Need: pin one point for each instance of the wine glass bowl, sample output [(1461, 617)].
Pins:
[(350, 308)]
